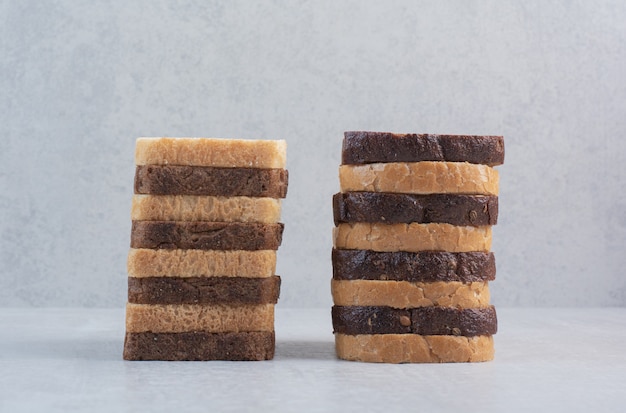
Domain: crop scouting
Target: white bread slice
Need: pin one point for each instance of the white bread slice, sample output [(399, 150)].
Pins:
[(413, 348), (404, 294), (205, 208), (226, 153), (193, 317), (420, 178), (412, 237), (200, 263)]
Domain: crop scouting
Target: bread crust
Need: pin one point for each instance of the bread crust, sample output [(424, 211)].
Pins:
[(420, 178), (205, 208), (214, 318), (144, 262), (200, 346), (411, 237), (413, 348), (403, 294), (228, 153), (361, 147)]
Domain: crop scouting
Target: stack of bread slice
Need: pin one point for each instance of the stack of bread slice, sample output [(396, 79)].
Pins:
[(411, 256), (205, 230)]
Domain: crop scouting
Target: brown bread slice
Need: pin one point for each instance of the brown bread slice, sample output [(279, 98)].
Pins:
[(474, 210), (403, 294), (200, 346), (144, 262), (423, 266), (211, 318), (411, 237), (425, 321), (211, 181), (413, 348), (420, 178), (228, 153), (205, 235), (373, 147), (204, 208), (203, 290)]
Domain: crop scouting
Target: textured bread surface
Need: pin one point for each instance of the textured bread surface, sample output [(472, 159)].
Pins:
[(420, 178), (210, 181), (200, 263), (200, 346), (205, 208), (218, 318), (203, 290), (403, 294), (205, 235), (228, 153), (370, 147), (424, 266), (413, 348), (421, 320), (455, 209), (411, 237)]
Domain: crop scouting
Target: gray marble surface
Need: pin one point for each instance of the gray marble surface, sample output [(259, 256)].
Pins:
[(548, 360), (79, 81)]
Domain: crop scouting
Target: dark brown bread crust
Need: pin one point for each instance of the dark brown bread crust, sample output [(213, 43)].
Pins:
[(203, 290), (204, 180), (199, 346), (205, 235), (425, 321), (374, 147), (424, 266), (474, 210)]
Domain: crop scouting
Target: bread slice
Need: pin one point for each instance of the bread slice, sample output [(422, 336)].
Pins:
[(411, 237), (370, 147), (218, 318), (403, 294), (200, 263), (466, 322), (200, 346), (420, 178), (205, 208), (205, 235), (203, 290), (413, 348), (455, 209), (228, 153), (210, 181), (422, 266)]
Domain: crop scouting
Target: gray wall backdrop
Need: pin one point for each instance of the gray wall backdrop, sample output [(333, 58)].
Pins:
[(80, 80)]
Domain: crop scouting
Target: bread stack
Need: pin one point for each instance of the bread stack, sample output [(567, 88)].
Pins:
[(411, 257), (205, 232)]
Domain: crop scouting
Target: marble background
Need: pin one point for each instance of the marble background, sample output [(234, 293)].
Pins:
[(79, 81)]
